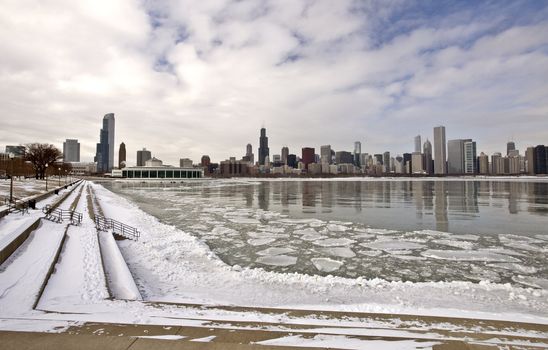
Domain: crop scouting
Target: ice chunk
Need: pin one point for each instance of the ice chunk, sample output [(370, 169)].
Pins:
[(370, 252), (455, 244), (409, 257), (516, 267), (277, 260), (380, 231), (223, 231), (244, 220), (467, 255), (342, 252), (306, 231), (260, 241), (466, 237), (275, 251), (334, 242), (326, 264), (531, 281), (336, 228), (392, 245)]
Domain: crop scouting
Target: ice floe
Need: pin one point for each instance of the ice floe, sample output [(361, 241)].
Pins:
[(342, 252), (334, 242), (467, 255), (277, 260), (326, 264)]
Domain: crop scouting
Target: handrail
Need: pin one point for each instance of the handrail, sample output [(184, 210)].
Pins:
[(104, 224), (59, 215)]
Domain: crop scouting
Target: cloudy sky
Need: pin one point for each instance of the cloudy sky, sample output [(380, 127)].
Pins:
[(187, 78)]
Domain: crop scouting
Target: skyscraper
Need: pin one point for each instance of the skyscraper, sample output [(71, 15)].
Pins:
[(455, 157), (71, 151), (427, 151), (386, 161), (418, 143), (122, 156), (510, 146), (325, 154), (439, 150), (285, 153), (249, 153), (540, 159), (307, 156), (104, 153), (483, 161), (470, 161), (264, 152), (142, 156), (357, 152)]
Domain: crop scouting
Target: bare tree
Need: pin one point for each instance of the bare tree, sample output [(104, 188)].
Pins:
[(40, 155)]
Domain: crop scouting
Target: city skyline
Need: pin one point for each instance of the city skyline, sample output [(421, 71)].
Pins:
[(312, 73)]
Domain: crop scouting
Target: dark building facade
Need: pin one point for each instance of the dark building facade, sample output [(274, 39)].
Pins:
[(307, 156), (104, 152), (407, 160), (540, 159), (292, 160), (263, 147), (344, 157), (122, 156)]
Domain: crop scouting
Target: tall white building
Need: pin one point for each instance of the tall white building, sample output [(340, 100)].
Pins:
[(417, 143), (470, 163), (71, 151), (325, 154), (440, 154)]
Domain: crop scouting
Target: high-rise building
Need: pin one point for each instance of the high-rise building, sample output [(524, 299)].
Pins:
[(122, 156), (417, 160), (407, 163), (249, 153), (530, 159), (386, 161), (307, 156), (71, 151), (439, 150), (470, 159), (285, 153), (264, 151), (417, 144), (292, 161), (540, 159), (104, 153), (455, 157), (325, 154), (510, 146), (142, 156), (343, 157), (497, 164), (205, 162), (378, 159), (357, 152), (428, 163), (483, 161)]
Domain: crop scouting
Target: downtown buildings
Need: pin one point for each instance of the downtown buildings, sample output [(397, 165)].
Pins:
[(104, 154)]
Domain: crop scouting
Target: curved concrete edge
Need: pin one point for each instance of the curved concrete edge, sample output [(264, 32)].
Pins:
[(11, 247), (51, 268)]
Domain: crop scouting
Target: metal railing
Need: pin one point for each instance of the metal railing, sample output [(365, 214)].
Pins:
[(17, 205), (59, 215), (104, 224)]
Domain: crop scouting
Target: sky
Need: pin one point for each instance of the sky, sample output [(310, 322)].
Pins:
[(188, 78)]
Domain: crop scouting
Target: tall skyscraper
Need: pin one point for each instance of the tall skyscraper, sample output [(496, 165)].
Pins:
[(530, 159), (510, 146), (483, 161), (418, 143), (455, 157), (285, 153), (428, 164), (540, 159), (122, 156), (307, 156), (104, 154), (357, 152), (470, 161), (386, 161), (142, 156), (264, 152), (249, 153), (71, 151), (325, 154), (439, 150)]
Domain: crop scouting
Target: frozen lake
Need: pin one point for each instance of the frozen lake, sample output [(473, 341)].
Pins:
[(405, 230)]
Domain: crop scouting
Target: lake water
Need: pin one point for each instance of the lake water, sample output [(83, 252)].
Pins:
[(410, 230)]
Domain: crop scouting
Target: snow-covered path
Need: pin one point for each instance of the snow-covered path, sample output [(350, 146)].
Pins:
[(79, 277), (22, 275)]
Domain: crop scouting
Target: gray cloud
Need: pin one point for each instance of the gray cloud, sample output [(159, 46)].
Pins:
[(187, 78)]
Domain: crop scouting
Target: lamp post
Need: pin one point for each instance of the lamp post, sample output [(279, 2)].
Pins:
[(11, 156), (66, 176), (46, 173), (59, 175)]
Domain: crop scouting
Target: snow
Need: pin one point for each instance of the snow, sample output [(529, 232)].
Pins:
[(204, 339), (121, 282), (277, 260), (467, 255), (326, 264), (342, 252), (334, 242)]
